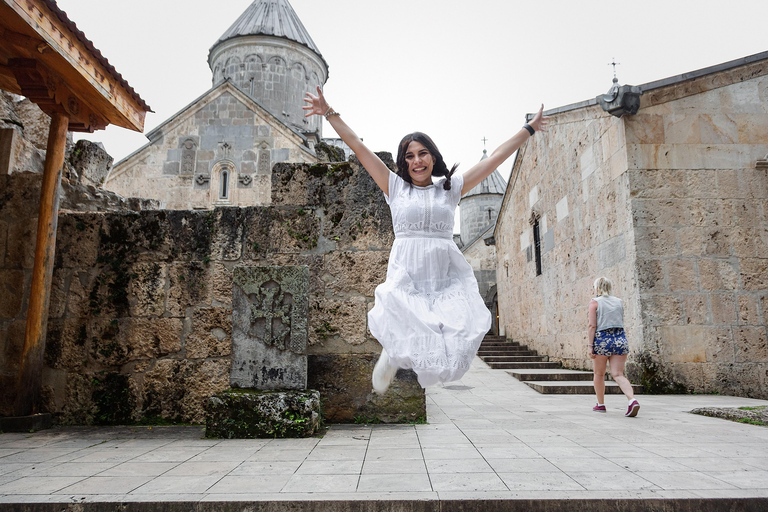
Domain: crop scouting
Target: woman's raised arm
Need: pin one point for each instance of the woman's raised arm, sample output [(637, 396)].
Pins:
[(372, 163), (484, 168)]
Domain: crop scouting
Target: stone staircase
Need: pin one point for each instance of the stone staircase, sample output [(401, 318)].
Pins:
[(538, 372)]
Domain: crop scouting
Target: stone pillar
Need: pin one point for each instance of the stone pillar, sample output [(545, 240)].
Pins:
[(270, 310)]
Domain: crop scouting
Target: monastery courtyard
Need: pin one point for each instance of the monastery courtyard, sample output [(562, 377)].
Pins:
[(491, 443)]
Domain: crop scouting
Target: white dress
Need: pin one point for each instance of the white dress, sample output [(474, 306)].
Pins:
[(428, 314)]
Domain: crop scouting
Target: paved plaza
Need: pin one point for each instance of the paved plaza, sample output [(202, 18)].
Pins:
[(489, 437)]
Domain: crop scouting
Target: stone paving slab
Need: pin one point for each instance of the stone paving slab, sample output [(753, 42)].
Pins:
[(491, 440)]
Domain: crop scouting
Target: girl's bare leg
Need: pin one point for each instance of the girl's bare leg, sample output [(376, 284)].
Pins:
[(599, 364)]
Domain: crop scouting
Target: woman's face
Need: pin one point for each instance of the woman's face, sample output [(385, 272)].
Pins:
[(420, 163)]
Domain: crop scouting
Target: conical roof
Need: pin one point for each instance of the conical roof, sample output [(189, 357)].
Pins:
[(493, 184), (270, 18)]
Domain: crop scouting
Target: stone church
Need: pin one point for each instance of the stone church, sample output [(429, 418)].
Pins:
[(478, 210), (219, 149), (662, 188)]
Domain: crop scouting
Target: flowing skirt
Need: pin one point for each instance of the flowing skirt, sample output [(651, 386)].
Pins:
[(428, 314)]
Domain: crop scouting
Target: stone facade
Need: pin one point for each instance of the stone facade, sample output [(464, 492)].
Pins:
[(140, 316), (671, 206), (218, 151)]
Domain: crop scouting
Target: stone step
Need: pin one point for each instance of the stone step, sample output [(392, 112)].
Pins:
[(500, 345), (515, 364), (524, 364), (503, 358), (554, 374), (511, 352), (576, 387)]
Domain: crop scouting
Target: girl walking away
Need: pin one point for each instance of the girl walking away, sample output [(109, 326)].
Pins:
[(428, 314), (608, 343)]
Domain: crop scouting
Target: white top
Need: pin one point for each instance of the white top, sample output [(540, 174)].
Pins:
[(610, 312)]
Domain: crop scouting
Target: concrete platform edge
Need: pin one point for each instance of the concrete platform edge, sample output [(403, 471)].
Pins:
[(399, 505)]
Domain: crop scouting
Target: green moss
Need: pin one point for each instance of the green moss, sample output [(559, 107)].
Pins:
[(654, 381), (326, 330), (113, 399)]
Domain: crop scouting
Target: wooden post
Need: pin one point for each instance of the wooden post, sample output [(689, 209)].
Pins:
[(31, 371)]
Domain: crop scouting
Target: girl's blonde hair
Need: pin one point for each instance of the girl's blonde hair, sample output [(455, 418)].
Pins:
[(602, 286)]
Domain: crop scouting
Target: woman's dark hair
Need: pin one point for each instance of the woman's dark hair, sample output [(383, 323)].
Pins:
[(439, 169)]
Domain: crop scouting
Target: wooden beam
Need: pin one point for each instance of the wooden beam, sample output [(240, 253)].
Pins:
[(31, 372), (77, 65)]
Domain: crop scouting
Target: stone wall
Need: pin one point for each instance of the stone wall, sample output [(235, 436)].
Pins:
[(572, 179), (671, 205), (482, 259), (700, 208), (140, 315)]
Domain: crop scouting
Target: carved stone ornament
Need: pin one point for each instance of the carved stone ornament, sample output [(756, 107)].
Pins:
[(245, 179), (270, 309), (202, 179), (762, 163), (535, 216)]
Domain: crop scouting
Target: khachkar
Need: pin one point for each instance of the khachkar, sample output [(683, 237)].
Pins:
[(270, 307), (269, 327)]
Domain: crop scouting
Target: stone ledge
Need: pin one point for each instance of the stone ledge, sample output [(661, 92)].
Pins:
[(249, 414)]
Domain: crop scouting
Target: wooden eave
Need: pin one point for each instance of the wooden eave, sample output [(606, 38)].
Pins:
[(44, 57)]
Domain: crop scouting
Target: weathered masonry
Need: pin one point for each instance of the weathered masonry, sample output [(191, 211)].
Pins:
[(671, 204)]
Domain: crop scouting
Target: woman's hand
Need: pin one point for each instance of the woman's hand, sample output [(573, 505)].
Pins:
[(317, 104), (539, 121), (592, 354)]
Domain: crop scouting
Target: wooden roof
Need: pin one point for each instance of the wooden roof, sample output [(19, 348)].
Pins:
[(45, 57)]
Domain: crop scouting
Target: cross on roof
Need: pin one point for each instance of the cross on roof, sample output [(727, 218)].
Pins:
[(614, 64), (484, 141)]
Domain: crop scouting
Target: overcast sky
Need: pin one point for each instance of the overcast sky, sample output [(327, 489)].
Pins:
[(457, 70)]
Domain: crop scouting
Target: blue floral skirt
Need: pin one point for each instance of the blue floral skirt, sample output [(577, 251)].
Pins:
[(611, 342)]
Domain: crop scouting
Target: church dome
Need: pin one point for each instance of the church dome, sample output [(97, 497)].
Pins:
[(480, 206), (270, 18), (269, 55)]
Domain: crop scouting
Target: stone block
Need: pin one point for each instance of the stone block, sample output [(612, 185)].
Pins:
[(751, 344), (748, 310), (612, 252), (696, 310), (227, 242), (11, 293), (650, 276), (338, 322), (344, 381), (684, 344), (740, 379), (179, 390), (188, 287), (211, 334), (147, 288), (269, 327), (91, 162), (66, 344), (21, 253), (148, 338), (249, 414), (355, 273), (754, 274), (723, 308), (661, 309), (718, 275), (77, 240), (682, 275)]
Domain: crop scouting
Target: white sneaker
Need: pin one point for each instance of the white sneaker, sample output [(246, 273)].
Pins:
[(383, 373)]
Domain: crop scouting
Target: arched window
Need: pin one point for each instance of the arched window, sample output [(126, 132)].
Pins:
[(224, 184)]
